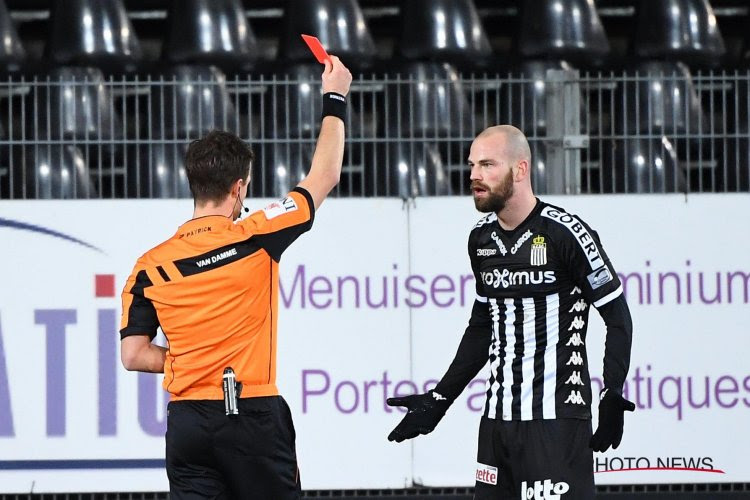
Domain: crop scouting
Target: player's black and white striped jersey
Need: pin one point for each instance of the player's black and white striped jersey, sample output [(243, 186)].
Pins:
[(538, 282)]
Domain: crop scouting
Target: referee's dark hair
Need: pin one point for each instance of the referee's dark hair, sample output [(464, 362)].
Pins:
[(214, 162)]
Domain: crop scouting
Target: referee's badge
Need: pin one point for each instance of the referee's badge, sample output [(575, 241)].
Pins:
[(538, 251)]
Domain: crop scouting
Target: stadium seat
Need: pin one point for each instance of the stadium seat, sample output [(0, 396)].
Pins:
[(192, 101), (338, 24), (415, 169), (663, 101), (76, 105), (210, 32), (279, 167), (93, 33), (684, 30), (159, 172), (294, 105), (539, 167), (12, 53), (526, 97), (443, 31), (643, 166), (431, 102), (51, 172), (562, 29)]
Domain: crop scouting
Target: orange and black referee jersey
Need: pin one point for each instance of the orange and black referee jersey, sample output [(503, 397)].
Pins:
[(213, 289)]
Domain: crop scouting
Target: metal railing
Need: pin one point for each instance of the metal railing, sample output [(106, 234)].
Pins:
[(77, 135)]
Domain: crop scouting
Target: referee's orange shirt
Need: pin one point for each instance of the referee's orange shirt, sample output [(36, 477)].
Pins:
[(213, 290)]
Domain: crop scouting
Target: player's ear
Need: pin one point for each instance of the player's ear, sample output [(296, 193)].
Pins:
[(522, 170)]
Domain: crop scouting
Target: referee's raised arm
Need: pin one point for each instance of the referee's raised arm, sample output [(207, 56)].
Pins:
[(329, 152)]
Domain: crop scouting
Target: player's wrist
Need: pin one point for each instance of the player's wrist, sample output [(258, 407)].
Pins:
[(334, 104)]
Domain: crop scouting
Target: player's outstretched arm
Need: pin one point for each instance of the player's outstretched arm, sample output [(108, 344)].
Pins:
[(424, 411), (612, 406), (328, 158)]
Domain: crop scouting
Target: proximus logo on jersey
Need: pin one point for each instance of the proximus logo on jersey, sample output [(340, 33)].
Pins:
[(543, 490), (505, 278)]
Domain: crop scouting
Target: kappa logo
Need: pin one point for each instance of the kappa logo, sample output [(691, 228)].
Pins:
[(486, 474), (538, 251), (544, 490), (575, 398), (574, 379), (524, 237), (280, 207), (486, 252), (600, 277), (579, 306), (575, 359), (499, 243), (577, 323), (575, 340)]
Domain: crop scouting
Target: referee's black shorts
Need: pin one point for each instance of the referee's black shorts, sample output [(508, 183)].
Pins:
[(248, 456), (534, 460)]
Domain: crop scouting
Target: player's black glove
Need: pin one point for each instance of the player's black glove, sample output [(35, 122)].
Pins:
[(425, 411), (612, 408)]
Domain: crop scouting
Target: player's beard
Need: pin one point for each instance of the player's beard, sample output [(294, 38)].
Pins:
[(496, 198)]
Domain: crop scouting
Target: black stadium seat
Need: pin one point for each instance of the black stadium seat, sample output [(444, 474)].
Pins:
[(76, 105), (562, 29), (210, 32), (339, 25), (51, 172), (643, 166), (93, 33), (12, 53), (431, 102), (685, 30), (444, 31), (191, 101), (158, 171)]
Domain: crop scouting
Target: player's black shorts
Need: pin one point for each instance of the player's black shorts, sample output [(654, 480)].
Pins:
[(534, 460), (248, 456)]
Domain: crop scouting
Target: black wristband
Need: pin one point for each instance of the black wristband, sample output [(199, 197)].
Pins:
[(334, 105)]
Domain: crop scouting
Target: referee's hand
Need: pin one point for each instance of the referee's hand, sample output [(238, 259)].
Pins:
[(336, 77), (424, 413)]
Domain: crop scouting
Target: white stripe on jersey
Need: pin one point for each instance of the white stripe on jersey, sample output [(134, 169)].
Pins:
[(495, 387), (608, 298), (527, 367), (550, 357), (481, 299), (510, 341)]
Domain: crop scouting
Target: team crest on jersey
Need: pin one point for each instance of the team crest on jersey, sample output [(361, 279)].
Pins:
[(538, 251)]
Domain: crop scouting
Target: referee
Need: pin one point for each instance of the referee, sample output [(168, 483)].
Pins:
[(213, 290), (538, 271)]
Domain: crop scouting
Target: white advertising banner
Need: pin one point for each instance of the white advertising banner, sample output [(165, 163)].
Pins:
[(373, 303)]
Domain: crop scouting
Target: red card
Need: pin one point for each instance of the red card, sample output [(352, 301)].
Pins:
[(317, 49)]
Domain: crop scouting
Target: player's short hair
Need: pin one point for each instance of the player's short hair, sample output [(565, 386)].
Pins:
[(214, 162)]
